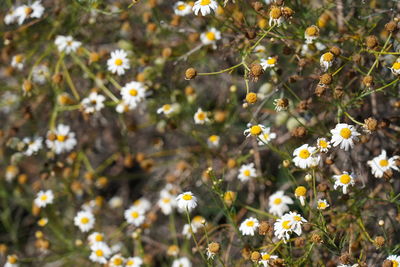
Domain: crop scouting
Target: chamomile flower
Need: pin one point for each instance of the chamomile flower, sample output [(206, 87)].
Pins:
[(275, 16), (66, 44), (395, 68), (248, 226), (205, 7), (94, 102), (200, 117), (297, 221), (311, 33), (187, 231), (95, 237), (278, 203), (84, 219), (181, 262), (322, 204), (43, 222), (198, 222), (266, 258), (182, 9), (17, 61), (61, 140), (44, 198), (283, 227), (134, 216), (166, 202), (255, 130), (100, 252), (133, 93), (246, 172), (142, 203), (30, 11), (344, 135), (12, 261), (323, 145), (213, 140), (123, 107), (166, 109), (118, 62), (133, 262), (344, 180), (11, 16), (381, 164), (186, 201), (40, 74), (394, 259), (33, 145), (300, 193), (268, 63), (259, 50), (266, 136), (326, 60), (116, 261), (304, 157), (210, 37)]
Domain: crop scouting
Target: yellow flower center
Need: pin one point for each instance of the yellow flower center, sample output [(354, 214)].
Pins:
[(250, 224), (187, 197), (166, 107), (396, 66), (383, 162), (166, 200), (201, 116), (266, 257), (255, 130), (181, 7), (43, 198), (395, 263), (61, 138), (297, 218), (266, 136), (12, 259), (84, 220), (327, 57), (277, 201), (311, 31), (300, 191), (345, 179), (133, 92), (28, 11), (246, 173), (345, 133), (99, 253), (42, 222), (304, 154), (321, 205), (322, 143), (210, 36), (118, 62), (135, 214), (19, 58), (286, 225), (213, 138), (99, 238), (205, 2), (275, 13), (271, 61), (118, 261)]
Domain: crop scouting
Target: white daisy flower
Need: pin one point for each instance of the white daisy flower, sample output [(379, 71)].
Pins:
[(33, 145), (123, 107), (182, 9), (255, 130), (300, 193), (167, 202), (200, 117), (100, 252), (205, 7), (259, 50), (187, 231), (133, 93), (95, 237), (322, 204), (210, 37), (66, 44), (304, 157), (12, 261), (283, 227), (133, 262), (30, 11), (266, 136), (118, 62), (297, 221), (323, 145), (116, 261), (40, 74), (275, 16), (44, 198), (278, 203), (268, 63), (142, 203), (381, 164), (11, 16), (344, 180), (266, 258), (248, 226), (213, 140), (18, 61), (61, 140), (246, 172), (181, 262), (84, 220), (395, 259), (94, 102), (395, 68), (311, 33), (186, 201), (344, 135), (326, 60), (166, 109), (11, 172), (134, 216)]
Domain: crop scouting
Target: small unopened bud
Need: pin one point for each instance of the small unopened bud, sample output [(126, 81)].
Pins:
[(299, 242), (286, 163), (336, 51), (255, 256), (308, 177), (251, 98), (325, 79), (371, 124), (371, 41), (391, 26), (368, 81), (381, 222), (316, 238), (213, 247), (379, 241), (190, 73), (264, 228)]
